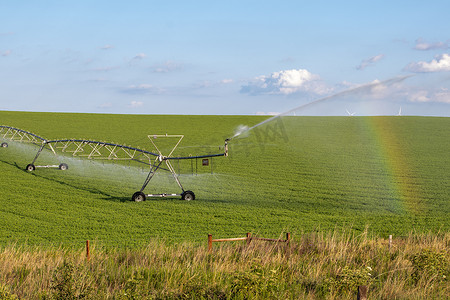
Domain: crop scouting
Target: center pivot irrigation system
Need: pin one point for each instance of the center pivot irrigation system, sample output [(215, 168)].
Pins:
[(109, 151)]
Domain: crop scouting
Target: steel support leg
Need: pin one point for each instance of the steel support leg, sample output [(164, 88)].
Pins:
[(38, 153), (150, 175), (174, 174)]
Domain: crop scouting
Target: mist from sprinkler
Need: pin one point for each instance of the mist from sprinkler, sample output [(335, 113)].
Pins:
[(241, 129)]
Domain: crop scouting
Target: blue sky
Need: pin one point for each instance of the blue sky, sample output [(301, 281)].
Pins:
[(224, 57)]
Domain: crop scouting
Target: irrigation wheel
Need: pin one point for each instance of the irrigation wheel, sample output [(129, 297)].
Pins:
[(138, 197), (63, 167), (188, 195), (30, 168), (4, 145)]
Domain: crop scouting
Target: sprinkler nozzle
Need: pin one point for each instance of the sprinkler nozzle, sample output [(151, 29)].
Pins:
[(226, 148)]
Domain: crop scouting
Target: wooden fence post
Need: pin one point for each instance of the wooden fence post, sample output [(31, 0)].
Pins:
[(390, 242), (362, 292), (249, 238), (288, 245), (88, 255), (209, 242)]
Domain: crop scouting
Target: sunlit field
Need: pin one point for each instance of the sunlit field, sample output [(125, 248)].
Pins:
[(296, 174)]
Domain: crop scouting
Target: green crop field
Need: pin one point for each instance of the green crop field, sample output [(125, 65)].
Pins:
[(295, 174)]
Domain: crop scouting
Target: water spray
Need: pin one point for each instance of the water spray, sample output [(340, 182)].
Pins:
[(366, 87)]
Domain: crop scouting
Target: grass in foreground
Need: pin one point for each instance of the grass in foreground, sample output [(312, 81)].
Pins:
[(317, 265)]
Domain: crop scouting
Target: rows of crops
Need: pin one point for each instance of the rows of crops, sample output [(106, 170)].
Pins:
[(294, 174)]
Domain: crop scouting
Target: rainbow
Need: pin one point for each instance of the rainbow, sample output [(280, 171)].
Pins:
[(400, 178)]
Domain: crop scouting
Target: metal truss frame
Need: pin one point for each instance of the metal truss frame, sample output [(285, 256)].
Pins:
[(97, 150), (19, 135), (161, 158), (22, 136)]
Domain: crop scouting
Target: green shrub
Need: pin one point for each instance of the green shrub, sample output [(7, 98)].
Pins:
[(5, 293), (430, 264), (349, 279), (70, 282), (256, 280)]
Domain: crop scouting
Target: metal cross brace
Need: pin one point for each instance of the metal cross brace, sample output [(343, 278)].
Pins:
[(163, 158)]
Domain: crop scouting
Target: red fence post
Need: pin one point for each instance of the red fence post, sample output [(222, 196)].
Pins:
[(209, 242), (88, 255)]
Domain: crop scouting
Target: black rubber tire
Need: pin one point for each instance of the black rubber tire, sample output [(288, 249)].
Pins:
[(30, 168), (63, 167), (188, 195), (138, 197), (4, 145)]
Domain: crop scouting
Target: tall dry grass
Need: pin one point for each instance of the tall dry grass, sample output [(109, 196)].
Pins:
[(317, 265)]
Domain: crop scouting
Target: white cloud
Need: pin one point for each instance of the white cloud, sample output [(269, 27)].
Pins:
[(419, 96), (168, 66), (286, 82), (107, 47), (442, 95), (440, 63), (203, 84), (142, 89), (140, 56), (377, 90), (6, 53), (424, 46), (396, 89), (270, 113), (144, 86), (369, 61), (226, 81), (136, 60), (136, 104)]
